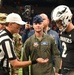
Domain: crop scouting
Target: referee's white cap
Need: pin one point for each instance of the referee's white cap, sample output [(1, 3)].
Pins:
[(16, 18)]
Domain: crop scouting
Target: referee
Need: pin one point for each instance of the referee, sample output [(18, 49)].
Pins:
[(7, 54)]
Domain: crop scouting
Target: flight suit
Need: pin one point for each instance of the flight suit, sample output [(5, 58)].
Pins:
[(44, 48)]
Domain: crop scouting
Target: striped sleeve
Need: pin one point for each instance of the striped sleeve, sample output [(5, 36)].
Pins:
[(8, 48)]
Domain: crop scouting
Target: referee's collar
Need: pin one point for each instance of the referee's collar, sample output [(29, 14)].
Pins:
[(9, 34)]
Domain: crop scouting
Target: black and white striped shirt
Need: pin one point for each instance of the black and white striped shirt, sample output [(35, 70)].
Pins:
[(6, 47)]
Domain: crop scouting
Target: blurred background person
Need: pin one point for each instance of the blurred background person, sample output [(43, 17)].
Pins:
[(2, 20), (27, 29)]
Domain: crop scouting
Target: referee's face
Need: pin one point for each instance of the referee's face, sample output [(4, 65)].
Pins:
[(14, 27)]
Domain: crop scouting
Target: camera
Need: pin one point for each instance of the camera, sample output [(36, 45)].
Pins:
[(27, 11)]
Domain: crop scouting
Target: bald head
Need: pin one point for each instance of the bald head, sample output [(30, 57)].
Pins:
[(45, 20), (44, 15)]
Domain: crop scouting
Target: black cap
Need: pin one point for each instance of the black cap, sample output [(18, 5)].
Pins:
[(37, 19)]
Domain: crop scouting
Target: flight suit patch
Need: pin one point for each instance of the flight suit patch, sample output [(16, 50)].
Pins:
[(44, 43), (35, 44)]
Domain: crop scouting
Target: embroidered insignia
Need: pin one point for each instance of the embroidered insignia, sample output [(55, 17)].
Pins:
[(35, 44), (44, 43)]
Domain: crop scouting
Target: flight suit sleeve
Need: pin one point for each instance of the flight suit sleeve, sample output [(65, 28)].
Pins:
[(56, 55), (25, 70), (60, 47)]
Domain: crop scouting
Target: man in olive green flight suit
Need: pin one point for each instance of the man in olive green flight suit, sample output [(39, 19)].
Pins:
[(41, 45)]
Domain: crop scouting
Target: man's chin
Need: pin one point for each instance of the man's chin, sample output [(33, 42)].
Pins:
[(38, 31)]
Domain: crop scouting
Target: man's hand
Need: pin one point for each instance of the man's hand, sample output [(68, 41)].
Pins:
[(41, 60), (57, 74)]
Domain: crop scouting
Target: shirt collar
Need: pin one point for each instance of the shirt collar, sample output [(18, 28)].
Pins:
[(42, 35), (9, 34)]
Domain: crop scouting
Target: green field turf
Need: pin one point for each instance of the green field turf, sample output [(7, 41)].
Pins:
[(20, 70)]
